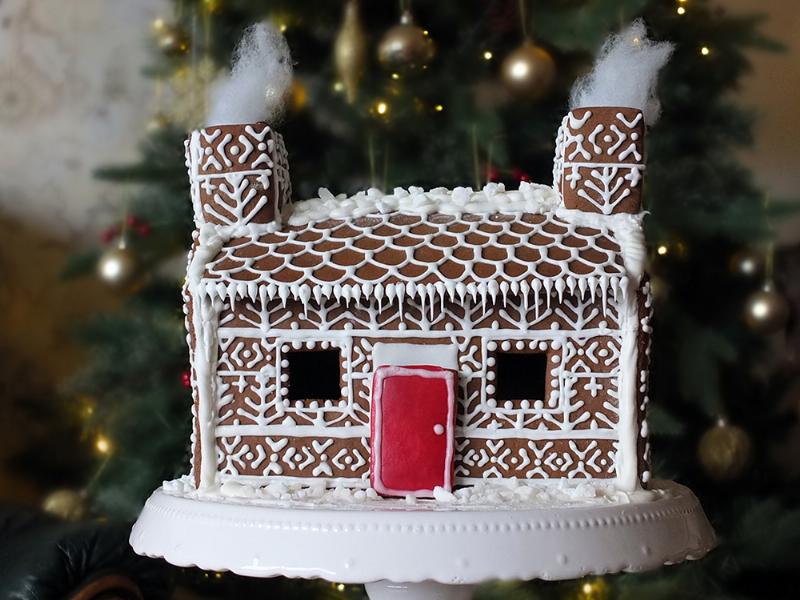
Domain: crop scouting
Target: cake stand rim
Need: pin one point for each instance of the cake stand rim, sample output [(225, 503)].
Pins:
[(447, 546)]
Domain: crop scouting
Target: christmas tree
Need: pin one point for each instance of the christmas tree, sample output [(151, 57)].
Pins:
[(461, 94)]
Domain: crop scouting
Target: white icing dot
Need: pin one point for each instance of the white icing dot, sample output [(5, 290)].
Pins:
[(261, 146), (542, 346), (493, 460), (285, 363), (325, 345), (284, 377), (490, 389), (328, 403), (299, 404), (309, 344), (284, 391), (342, 403), (490, 375), (602, 353), (506, 345), (492, 345), (273, 457), (249, 456), (402, 326), (285, 348), (208, 151), (525, 404), (448, 327), (345, 392), (438, 429), (508, 405), (491, 361), (348, 326), (520, 345), (634, 136), (580, 352), (554, 383), (538, 405), (607, 139), (348, 460), (491, 403), (295, 326), (314, 405), (323, 457), (603, 462), (555, 345), (495, 325), (556, 358), (247, 354), (296, 345), (514, 460), (538, 462), (234, 150), (559, 461), (286, 403), (555, 325), (603, 324), (532, 345)]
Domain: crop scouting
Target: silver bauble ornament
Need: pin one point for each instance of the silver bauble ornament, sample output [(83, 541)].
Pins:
[(406, 47), (529, 71), (766, 311), (725, 451), (117, 266), (350, 51)]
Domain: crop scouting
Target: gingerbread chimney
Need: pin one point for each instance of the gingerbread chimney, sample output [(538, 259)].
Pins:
[(239, 175), (599, 160)]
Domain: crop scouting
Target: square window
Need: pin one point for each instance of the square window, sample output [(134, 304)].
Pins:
[(313, 375), (520, 375)]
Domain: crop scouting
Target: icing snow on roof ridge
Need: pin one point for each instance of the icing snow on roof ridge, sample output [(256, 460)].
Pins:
[(529, 198)]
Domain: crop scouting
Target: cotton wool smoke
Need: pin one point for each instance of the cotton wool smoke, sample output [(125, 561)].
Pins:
[(259, 80)]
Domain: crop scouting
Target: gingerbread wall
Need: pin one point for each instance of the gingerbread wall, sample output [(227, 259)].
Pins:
[(571, 432)]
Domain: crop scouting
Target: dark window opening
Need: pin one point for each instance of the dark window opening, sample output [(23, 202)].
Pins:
[(520, 375), (314, 375)]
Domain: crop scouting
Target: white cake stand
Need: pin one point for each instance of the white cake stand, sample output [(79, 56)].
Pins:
[(424, 552)]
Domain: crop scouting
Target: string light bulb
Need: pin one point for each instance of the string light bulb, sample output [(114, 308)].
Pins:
[(681, 10), (102, 444), (381, 108), (662, 250), (438, 108), (705, 50), (487, 55)]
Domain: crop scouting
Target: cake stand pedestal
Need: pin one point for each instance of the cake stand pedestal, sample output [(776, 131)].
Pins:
[(430, 552)]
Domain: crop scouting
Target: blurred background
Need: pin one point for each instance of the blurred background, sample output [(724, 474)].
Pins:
[(96, 98)]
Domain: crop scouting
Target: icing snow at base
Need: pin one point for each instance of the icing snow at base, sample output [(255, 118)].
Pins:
[(529, 198), (505, 494)]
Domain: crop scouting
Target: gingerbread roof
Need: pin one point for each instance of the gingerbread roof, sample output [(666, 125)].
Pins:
[(404, 252)]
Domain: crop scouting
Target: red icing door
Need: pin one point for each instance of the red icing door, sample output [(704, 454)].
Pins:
[(412, 430)]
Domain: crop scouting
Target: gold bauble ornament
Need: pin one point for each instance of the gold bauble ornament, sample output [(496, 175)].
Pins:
[(117, 266), (406, 47), (65, 504), (172, 38), (725, 451), (766, 311), (350, 51), (529, 71)]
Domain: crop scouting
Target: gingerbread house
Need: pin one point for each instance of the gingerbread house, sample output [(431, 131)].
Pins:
[(419, 341)]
